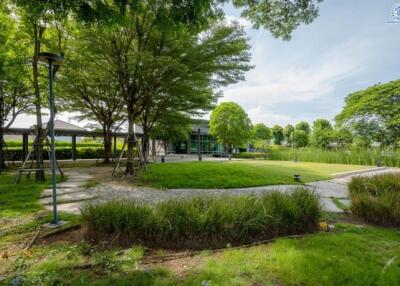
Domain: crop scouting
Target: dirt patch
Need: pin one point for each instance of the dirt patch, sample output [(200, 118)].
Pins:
[(179, 262), (72, 235)]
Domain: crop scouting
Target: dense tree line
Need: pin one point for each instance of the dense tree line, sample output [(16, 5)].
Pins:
[(129, 60)]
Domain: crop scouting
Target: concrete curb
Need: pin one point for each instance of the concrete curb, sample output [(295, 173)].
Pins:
[(345, 174)]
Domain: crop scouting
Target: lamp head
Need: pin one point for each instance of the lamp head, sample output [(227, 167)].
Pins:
[(55, 60)]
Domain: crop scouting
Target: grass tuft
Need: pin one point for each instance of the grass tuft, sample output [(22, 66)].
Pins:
[(377, 198)]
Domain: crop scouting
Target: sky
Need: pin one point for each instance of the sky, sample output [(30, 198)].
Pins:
[(353, 44)]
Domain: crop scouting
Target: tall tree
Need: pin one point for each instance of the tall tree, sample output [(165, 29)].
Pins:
[(155, 72), (280, 17), (373, 112), (277, 134), (321, 133), (302, 125), (37, 17), (14, 93), (300, 138), (261, 135), (288, 134), (219, 58), (230, 125), (88, 89)]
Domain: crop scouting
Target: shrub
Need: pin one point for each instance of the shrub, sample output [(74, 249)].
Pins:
[(249, 155), (203, 221), (377, 198)]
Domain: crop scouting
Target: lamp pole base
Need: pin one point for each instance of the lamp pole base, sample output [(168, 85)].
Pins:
[(54, 224)]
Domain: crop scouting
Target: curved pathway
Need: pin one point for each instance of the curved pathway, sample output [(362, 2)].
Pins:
[(73, 192)]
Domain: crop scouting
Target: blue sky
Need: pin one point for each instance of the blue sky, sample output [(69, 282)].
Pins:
[(349, 47)]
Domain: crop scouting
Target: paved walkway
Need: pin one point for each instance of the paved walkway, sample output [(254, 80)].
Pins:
[(73, 193)]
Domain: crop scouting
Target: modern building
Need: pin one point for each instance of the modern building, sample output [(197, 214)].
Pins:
[(198, 140)]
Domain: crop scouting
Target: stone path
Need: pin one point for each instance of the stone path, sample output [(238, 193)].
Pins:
[(70, 194), (73, 193)]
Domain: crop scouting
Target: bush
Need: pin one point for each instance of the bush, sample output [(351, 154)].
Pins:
[(199, 222), (15, 153), (377, 198)]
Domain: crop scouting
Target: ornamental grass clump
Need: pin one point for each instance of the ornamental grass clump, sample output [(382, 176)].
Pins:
[(377, 198), (203, 221)]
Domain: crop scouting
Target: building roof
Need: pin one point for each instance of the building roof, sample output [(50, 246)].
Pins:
[(62, 125)]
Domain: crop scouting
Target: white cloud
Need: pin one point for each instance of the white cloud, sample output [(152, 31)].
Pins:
[(273, 84), (242, 21)]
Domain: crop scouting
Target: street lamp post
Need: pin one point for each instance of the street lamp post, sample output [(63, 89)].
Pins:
[(52, 60)]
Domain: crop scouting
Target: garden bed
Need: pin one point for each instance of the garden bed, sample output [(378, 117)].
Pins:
[(203, 222)]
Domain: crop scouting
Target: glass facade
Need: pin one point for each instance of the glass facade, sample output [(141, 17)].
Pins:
[(207, 144)]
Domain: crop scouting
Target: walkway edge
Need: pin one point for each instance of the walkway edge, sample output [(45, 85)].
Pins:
[(345, 174)]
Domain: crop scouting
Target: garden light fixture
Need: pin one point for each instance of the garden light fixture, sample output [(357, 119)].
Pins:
[(52, 60)]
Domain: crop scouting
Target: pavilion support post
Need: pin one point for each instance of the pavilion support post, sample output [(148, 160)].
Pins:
[(25, 146), (189, 143), (73, 151)]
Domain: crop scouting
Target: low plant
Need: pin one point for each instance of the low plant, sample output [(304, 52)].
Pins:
[(377, 198), (203, 221), (354, 156)]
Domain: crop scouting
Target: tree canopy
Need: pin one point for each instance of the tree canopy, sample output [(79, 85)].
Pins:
[(277, 134), (321, 133), (374, 111), (230, 125)]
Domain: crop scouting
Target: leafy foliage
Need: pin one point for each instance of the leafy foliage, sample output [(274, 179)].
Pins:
[(288, 134), (374, 111), (300, 138), (277, 134), (321, 133), (304, 126), (279, 17), (230, 125)]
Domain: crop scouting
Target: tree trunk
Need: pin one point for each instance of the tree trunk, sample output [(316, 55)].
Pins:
[(226, 149), (38, 146), (107, 138), (145, 147), (129, 171), (2, 163)]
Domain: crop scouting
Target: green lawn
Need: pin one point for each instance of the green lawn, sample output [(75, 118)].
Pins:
[(235, 174), (22, 198), (350, 256)]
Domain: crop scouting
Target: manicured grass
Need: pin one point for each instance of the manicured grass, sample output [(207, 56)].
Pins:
[(22, 198), (235, 174), (350, 256)]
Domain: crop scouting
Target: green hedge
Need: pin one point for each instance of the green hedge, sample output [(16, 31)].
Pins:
[(15, 153), (339, 156), (377, 198), (203, 222), (12, 143)]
